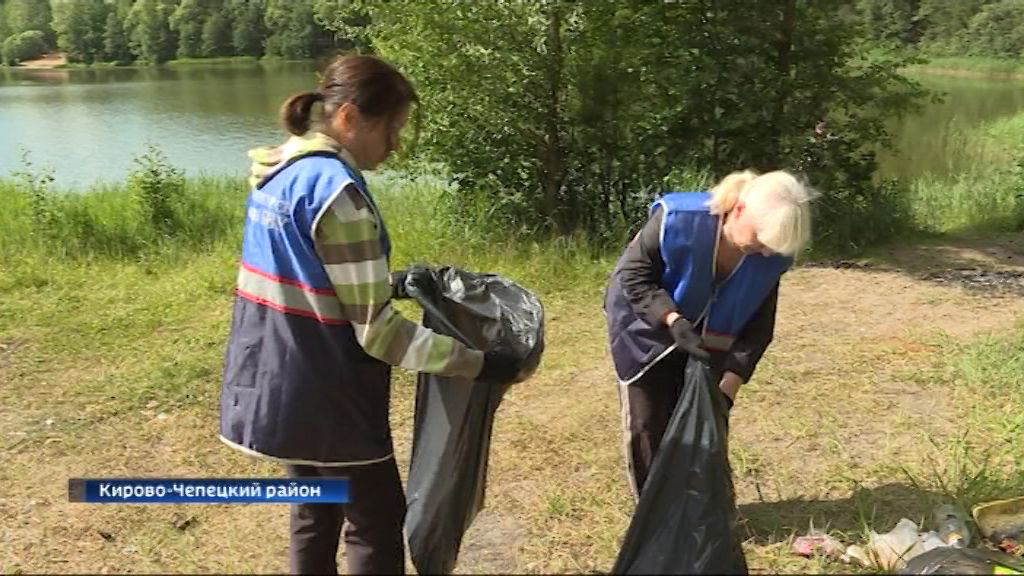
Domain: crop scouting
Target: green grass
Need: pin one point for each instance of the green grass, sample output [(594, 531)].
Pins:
[(105, 324), (986, 194), (972, 66)]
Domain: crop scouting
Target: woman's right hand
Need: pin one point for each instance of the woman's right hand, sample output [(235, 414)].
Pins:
[(686, 338)]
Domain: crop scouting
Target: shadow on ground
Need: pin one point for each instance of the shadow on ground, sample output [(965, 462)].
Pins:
[(877, 508)]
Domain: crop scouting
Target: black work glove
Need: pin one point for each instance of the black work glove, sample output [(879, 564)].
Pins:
[(417, 275), (498, 368), (688, 340), (398, 291)]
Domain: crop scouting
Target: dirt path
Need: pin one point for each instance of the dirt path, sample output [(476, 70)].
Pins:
[(843, 405), (51, 60)]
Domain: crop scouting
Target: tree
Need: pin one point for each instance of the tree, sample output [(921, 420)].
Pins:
[(294, 31), (150, 35), (187, 20), (564, 115), (945, 22), (348, 19), (25, 15), (217, 35), (24, 46), (997, 30), (896, 21), (115, 40), (5, 29), (79, 25), (248, 29)]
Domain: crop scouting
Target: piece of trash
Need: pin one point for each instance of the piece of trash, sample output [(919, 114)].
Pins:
[(106, 535), (818, 544), (183, 523), (50, 421), (1001, 520), (949, 560), (161, 416), (951, 524), (856, 554), (932, 540), (893, 549)]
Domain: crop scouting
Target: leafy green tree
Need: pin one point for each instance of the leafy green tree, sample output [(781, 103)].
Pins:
[(564, 115), (294, 30), (5, 29), (187, 20), (79, 25), (348, 19), (23, 46), (945, 23), (893, 21), (997, 30), (217, 35), (150, 35), (25, 15), (248, 28), (115, 40)]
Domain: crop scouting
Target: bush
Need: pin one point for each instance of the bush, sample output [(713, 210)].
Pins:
[(159, 188), (24, 46)]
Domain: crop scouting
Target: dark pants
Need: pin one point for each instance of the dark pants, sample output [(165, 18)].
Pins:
[(372, 519), (647, 405)]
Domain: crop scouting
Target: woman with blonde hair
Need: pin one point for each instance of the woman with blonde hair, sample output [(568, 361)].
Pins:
[(699, 280)]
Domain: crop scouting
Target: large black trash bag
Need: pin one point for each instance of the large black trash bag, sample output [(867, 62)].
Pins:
[(964, 561), (685, 521), (454, 416)]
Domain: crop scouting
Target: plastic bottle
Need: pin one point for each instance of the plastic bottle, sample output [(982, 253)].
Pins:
[(952, 526)]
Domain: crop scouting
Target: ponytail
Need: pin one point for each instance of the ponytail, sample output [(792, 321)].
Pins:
[(296, 112)]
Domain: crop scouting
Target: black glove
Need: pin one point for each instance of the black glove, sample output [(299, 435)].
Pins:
[(688, 340), (398, 291), (498, 368), (417, 275)]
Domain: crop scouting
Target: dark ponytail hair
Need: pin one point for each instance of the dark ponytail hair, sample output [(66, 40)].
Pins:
[(297, 111), (376, 88)]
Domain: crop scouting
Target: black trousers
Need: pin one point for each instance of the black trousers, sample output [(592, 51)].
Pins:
[(372, 521), (647, 404)]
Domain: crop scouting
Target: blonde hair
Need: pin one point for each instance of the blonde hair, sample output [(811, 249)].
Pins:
[(778, 202)]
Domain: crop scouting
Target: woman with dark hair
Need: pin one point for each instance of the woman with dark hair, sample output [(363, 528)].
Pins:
[(314, 333)]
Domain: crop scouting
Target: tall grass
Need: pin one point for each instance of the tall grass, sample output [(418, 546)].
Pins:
[(157, 215), (971, 66), (986, 193)]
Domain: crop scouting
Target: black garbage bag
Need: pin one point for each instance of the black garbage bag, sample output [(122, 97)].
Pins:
[(963, 561), (454, 417), (685, 521)]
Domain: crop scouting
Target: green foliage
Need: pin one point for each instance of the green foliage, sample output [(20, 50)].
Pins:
[(150, 35), (187, 20), (217, 35), (567, 116), (348, 19), (896, 21), (159, 188), (294, 31), (36, 184), (79, 25), (23, 46), (25, 15), (998, 30), (248, 28), (115, 40)]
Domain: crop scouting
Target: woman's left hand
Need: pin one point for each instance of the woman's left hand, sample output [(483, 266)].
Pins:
[(730, 386)]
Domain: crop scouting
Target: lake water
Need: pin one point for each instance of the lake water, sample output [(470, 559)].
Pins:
[(87, 125)]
